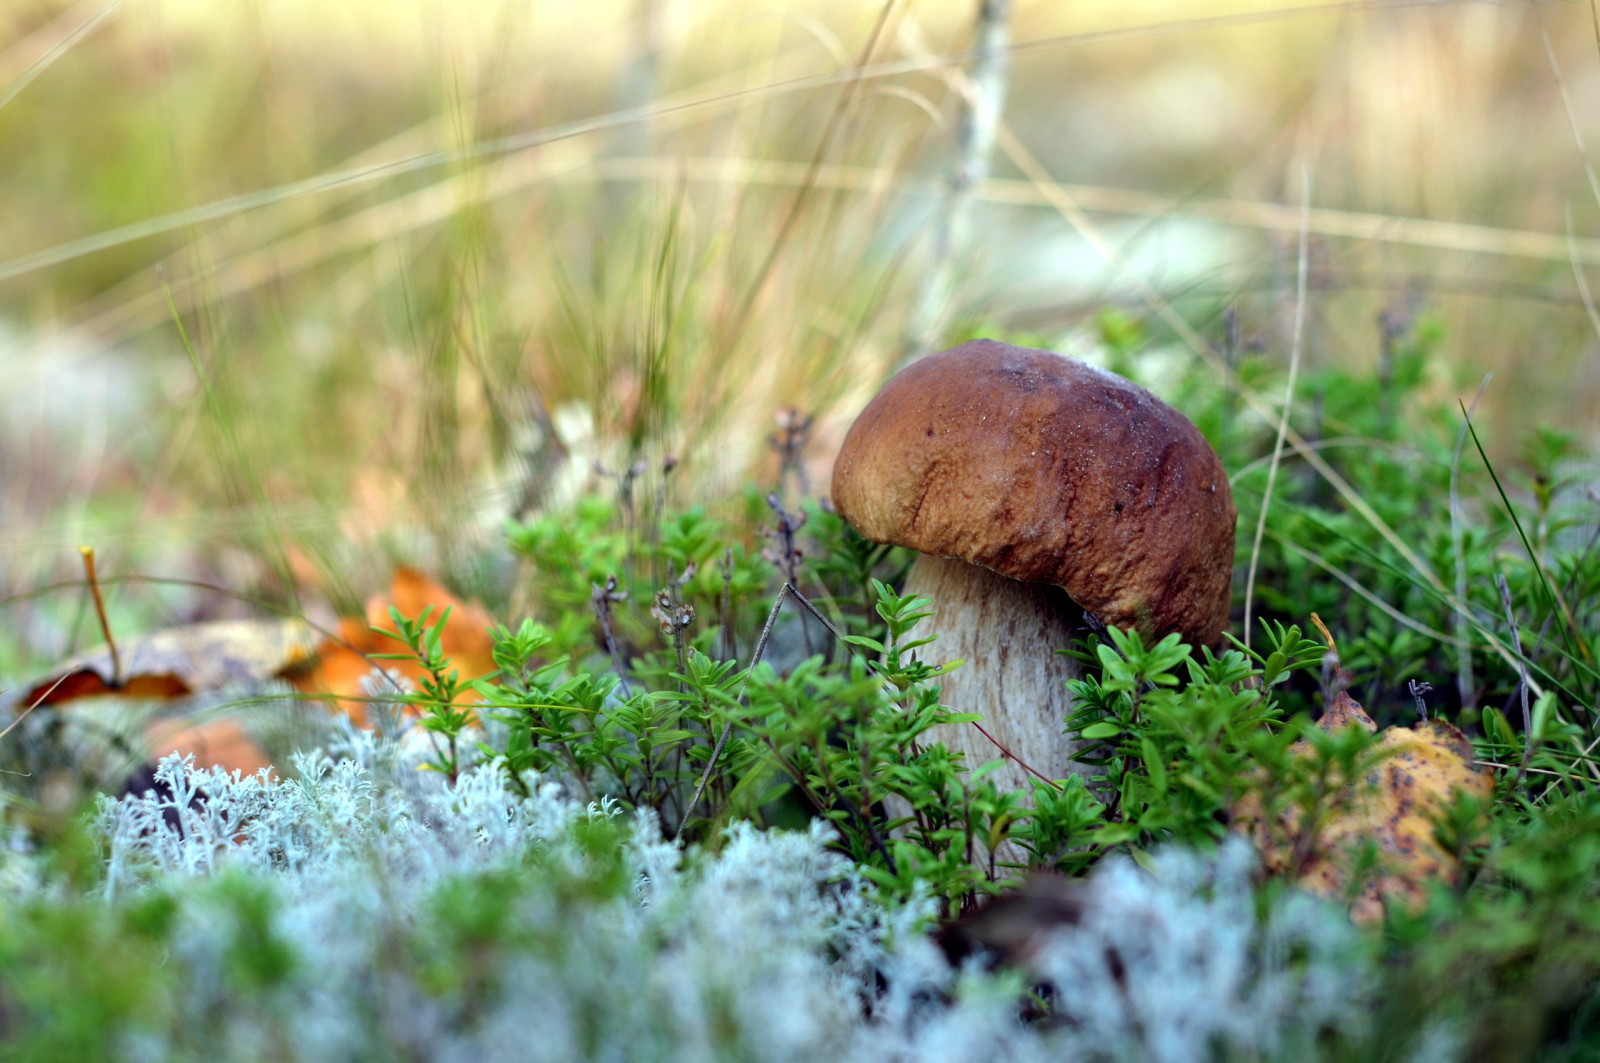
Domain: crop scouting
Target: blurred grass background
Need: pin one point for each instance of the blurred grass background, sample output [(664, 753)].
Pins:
[(289, 290)]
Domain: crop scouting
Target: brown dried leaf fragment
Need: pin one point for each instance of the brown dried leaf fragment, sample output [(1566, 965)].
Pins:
[(181, 661)]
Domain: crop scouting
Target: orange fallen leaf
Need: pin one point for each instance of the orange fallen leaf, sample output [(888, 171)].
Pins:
[(344, 662), (1392, 808), (222, 742)]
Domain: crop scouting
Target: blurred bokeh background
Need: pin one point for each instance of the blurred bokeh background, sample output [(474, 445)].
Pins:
[(291, 289)]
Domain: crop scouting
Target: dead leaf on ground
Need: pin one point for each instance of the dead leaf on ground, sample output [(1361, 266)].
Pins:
[(181, 661), (222, 742), (1011, 929), (1418, 773), (344, 662), (198, 658)]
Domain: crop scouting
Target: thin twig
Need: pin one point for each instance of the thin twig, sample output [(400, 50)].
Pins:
[(761, 645), (602, 597), (786, 554), (821, 617), (727, 728), (730, 646), (40, 700), (100, 612)]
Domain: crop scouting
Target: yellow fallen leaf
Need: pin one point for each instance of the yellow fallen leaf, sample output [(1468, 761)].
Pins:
[(1392, 808)]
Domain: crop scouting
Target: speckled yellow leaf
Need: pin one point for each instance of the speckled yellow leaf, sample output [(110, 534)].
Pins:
[(1391, 809)]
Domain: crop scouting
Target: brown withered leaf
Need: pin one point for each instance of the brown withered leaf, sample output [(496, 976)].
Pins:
[(342, 663), (1011, 929), (1417, 773), (181, 661)]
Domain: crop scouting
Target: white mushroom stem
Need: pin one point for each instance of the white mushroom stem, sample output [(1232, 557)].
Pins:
[(1007, 632)]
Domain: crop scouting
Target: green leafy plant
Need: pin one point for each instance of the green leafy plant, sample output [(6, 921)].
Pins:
[(438, 698)]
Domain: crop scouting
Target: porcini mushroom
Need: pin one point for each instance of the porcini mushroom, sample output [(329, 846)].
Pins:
[(1036, 487)]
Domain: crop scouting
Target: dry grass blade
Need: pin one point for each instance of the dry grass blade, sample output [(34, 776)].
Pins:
[(1573, 125), (1295, 347), (1465, 687), (1522, 668), (1376, 602), (45, 54)]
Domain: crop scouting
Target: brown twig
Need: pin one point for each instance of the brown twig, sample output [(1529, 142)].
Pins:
[(602, 597), (100, 611), (727, 728)]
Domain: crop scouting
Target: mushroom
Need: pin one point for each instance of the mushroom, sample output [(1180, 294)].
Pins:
[(1036, 488)]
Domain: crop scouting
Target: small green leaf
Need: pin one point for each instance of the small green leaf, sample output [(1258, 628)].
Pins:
[(1272, 671), (869, 643), (1542, 709), (1115, 834), (1155, 764)]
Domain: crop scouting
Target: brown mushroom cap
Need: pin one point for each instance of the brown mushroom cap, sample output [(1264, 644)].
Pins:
[(1049, 470)]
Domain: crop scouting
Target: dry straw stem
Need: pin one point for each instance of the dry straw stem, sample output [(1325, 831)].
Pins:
[(285, 246), (1365, 226), (1573, 125), (1372, 599)]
